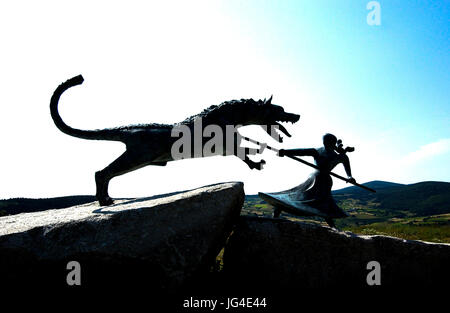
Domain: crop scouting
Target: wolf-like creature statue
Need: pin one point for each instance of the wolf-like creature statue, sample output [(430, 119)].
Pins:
[(151, 144)]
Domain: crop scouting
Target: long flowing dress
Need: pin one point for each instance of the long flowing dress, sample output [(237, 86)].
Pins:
[(313, 196)]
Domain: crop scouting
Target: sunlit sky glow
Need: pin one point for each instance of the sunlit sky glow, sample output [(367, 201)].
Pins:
[(383, 89)]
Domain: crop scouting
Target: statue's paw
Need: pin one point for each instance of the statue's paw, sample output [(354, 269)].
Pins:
[(106, 201), (262, 163), (259, 165)]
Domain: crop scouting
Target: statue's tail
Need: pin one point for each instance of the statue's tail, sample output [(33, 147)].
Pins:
[(103, 134)]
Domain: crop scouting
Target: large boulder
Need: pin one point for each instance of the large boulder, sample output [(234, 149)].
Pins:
[(162, 241), (279, 255)]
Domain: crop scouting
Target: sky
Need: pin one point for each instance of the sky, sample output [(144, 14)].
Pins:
[(383, 89)]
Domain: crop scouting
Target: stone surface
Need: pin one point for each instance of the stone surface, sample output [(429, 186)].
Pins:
[(161, 241), (280, 255)]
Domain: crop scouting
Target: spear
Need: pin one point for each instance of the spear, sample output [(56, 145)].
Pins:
[(264, 145)]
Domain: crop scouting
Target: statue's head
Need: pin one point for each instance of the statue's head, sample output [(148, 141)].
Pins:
[(329, 141), (249, 112), (269, 115)]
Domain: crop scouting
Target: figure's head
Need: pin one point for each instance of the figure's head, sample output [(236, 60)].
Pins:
[(329, 141)]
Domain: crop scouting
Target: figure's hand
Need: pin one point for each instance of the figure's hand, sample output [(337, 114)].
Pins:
[(351, 180), (281, 152), (349, 149)]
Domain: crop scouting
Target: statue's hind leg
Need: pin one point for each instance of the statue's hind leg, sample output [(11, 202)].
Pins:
[(102, 182), (127, 162)]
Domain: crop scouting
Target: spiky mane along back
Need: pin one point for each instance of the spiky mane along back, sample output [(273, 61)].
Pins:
[(211, 111), (218, 110), (141, 126)]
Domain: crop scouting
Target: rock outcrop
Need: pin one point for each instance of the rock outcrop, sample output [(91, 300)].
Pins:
[(280, 255), (161, 241)]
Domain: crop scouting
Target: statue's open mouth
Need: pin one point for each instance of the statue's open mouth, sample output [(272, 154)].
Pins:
[(286, 118)]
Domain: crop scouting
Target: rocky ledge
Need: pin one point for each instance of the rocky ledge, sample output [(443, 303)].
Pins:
[(161, 241), (280, 255)]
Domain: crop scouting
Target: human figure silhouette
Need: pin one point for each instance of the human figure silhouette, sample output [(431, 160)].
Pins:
[(314, 195)]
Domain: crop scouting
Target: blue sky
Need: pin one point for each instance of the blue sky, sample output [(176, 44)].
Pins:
[(383, 89), (394, 76)]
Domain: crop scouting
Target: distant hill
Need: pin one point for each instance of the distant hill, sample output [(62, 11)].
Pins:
[(25, 205), (420, 199), (376, 184)]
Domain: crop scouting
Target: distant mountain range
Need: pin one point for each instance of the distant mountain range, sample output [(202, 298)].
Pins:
[(419, 199), (376, 184)]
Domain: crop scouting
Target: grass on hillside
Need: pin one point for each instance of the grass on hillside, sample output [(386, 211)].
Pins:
[(434, 228)]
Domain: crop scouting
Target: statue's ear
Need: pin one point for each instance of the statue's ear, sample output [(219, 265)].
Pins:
[(269, 101)]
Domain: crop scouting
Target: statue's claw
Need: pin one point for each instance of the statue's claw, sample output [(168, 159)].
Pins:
[(261, 164), (256, 165)]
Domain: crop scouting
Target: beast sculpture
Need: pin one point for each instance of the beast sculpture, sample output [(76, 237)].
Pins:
[(151, 144)]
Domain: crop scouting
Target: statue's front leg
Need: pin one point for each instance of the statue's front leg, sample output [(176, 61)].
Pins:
[(244, 152)]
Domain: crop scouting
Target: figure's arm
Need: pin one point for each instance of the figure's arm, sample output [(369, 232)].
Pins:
[(298, 152), (348, 170)]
